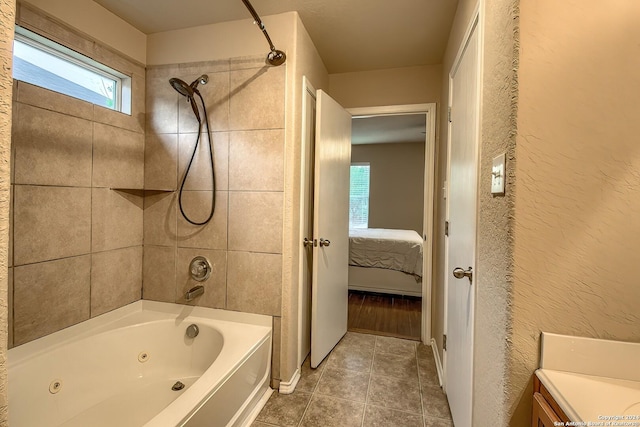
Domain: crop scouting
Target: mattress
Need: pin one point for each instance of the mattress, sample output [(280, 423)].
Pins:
[(399, 250)]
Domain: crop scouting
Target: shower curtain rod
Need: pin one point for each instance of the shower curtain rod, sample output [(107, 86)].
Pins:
[(275, 57)]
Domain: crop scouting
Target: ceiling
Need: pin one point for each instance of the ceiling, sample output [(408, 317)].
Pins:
[(350, 35), (389, 129)]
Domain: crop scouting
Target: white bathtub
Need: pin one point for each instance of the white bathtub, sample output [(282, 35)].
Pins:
[(118, 369)]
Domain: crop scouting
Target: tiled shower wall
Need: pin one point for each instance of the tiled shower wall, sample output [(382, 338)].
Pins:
[(243, 241), (75, 242)]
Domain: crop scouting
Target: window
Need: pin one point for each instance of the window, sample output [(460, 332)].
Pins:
[(359, 196), (41, 62)]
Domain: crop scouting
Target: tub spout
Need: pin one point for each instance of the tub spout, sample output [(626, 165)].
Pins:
[(194, 292)]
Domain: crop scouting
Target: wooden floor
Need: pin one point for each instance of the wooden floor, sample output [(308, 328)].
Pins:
[(382, 314)]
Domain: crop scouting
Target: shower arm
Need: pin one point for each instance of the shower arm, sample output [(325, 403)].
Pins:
[(260, 25)]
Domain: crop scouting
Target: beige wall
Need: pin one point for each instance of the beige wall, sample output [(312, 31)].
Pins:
[(97, 23), (396, 187), (7, 11), (396, 86), (221, 41), (304, 60), (75, 242), (578, 169)]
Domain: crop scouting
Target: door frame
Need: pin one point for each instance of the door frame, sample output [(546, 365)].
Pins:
[(308, 91), (475, 22), (429, 191)]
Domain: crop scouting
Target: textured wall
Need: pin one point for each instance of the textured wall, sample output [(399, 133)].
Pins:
[(396, 86), (396, 187), (7, 13), (494, 251), (74, 242), (494, 228), (578, 171)]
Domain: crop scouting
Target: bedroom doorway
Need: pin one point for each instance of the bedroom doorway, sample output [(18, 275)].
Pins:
[(306, 212), (393, 165)]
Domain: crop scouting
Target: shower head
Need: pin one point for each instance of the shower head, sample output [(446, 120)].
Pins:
[(276, 57), (181, 87), (185, 89), (189, 90)]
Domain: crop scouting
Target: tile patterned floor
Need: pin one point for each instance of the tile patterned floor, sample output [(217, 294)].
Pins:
[(367, 380)]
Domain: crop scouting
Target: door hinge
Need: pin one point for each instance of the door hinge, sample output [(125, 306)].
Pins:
[(444, 341), (446, 228), (449, 114)]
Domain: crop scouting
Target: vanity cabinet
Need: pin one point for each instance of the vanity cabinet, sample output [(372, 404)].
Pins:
[(546, 412)]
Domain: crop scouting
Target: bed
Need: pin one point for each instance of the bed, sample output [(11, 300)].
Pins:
[(386, 261)]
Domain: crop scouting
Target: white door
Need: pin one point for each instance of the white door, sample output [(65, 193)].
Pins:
[(463, 164), (329, 292)]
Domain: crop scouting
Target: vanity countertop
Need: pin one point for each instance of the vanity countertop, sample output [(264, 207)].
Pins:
[(595, 382)]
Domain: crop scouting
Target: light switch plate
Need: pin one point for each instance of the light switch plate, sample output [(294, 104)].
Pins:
[(498, 175)]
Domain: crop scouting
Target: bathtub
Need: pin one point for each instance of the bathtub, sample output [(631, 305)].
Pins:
[(120, 368)]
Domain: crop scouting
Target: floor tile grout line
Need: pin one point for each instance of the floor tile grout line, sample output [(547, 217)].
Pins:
[(366, 399), (313, 392), (420, 387)]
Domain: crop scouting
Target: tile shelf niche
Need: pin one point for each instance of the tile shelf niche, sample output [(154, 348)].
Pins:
[(143, 191)]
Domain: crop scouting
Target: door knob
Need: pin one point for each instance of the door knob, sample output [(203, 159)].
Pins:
[(459, 273), (307, 242), (324, 242)]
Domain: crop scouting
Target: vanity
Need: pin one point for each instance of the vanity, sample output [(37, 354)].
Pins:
[(586, 382)]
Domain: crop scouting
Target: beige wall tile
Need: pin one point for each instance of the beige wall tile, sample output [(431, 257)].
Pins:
[(215, 286), (116, 219), (10, 249), (244, 62), (50, 223), (10, 308), (257, 98), (254, 282), (161, 101), (216, 99), (116, 279), (15, 118), (110, 57), (200, 171), (120, 120), (52, 148), (139, 98), (255, 222), (161, 161), (197, 206), (160, 224), (50, 296), (118, 157), (256, 160), (159, 273), (191, 70), (54, 101)]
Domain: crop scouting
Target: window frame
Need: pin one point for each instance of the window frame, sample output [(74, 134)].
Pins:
[(122, 95)]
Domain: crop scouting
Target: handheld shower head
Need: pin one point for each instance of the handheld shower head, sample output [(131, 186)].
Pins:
[(181, 87), (189, 90)]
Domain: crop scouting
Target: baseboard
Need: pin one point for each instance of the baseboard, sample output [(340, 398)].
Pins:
[(436, 356), (287, 387)]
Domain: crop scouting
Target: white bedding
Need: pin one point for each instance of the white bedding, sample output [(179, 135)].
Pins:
[(399, 250)]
